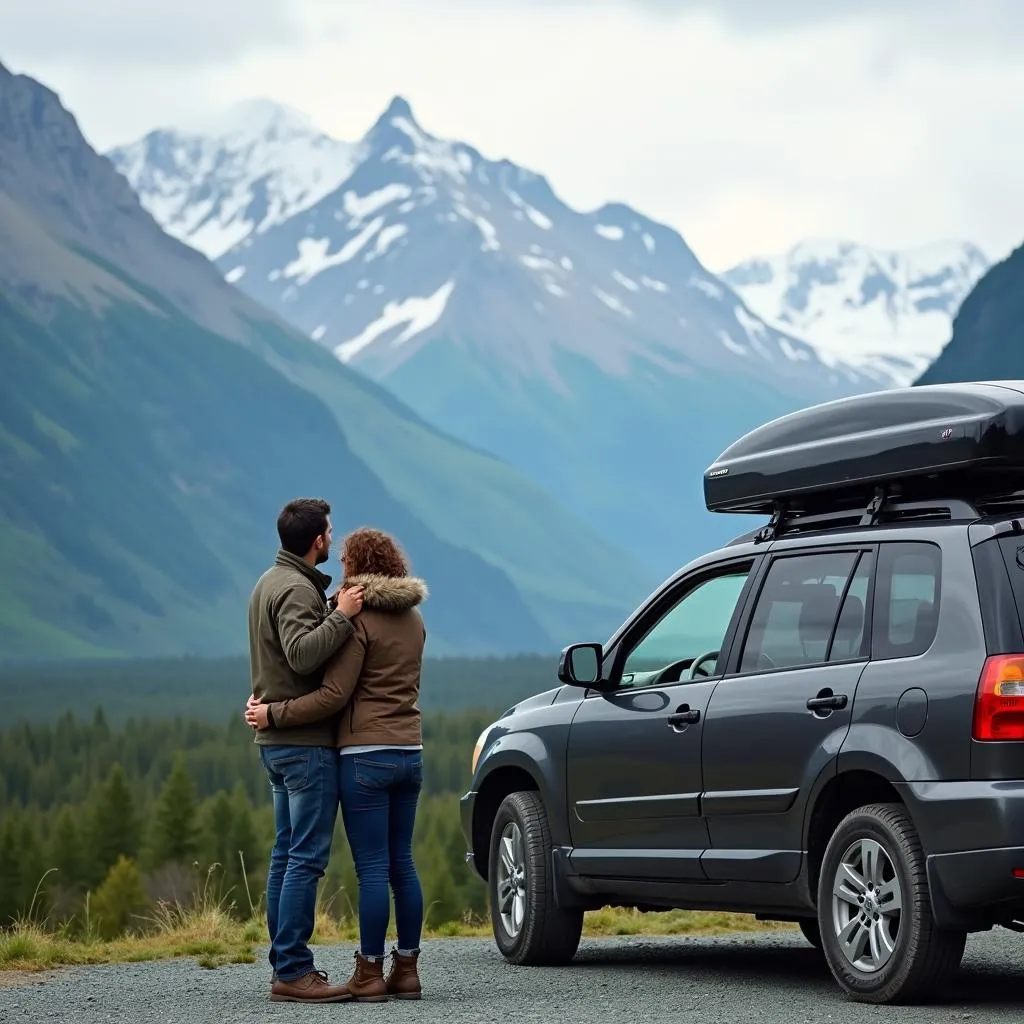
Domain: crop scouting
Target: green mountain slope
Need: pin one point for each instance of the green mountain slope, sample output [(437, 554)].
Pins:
[(153, 420), (988, 332)]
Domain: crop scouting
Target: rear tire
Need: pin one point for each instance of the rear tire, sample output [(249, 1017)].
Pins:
[(528, 926), (875, 913)]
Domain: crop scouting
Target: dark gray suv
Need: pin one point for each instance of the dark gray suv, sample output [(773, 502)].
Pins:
[(822, 722)]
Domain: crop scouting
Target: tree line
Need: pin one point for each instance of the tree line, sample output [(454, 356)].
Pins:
[(212, 690), (99, 822)]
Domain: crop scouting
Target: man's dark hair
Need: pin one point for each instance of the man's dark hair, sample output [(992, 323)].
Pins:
[(300, 523)]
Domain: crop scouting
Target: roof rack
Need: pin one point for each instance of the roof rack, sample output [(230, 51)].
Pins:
[(884, 507), (931, 442)]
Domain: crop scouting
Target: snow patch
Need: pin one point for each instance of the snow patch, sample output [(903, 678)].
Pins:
[(537, 262), (555, 289), (613, 303), (626, 282), (313, 255), (648, 242), (653, 284), (790, 351), (388, 235), (361, 207), (318, 332), (235, 274), (418, 314), (706, 286), (609, 231), (485, 227), (535, 215), (566, 263), (429, 154), (733, 346)]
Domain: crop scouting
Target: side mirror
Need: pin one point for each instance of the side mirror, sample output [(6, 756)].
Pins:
[(580, 665)]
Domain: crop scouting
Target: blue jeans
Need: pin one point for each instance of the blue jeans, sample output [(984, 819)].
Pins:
[(379, 793), (304, 781)]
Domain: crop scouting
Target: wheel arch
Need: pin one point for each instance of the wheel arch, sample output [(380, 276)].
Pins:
[(496, 785), (837, 797)]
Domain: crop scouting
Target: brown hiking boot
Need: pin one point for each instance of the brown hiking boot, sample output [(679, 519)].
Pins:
[(312, 987), (367, 982), (403, 980)]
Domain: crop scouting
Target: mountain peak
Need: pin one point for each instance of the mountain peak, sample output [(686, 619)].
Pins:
[(398, 107), (253, 118), (863, 304)]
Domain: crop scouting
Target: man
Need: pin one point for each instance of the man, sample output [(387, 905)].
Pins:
[(293, 630)]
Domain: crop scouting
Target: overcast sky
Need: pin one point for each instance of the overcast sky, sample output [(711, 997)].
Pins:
[(746, 124)]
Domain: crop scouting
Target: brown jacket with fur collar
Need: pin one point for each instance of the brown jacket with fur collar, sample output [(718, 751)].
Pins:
[(374, 680)]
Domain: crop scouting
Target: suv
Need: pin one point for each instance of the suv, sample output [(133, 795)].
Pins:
[(822, 723)]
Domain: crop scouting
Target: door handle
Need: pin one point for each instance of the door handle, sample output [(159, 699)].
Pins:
[(827, 701), (683, 715)]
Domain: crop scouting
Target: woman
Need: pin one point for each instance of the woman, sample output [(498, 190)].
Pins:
[(372, 685)]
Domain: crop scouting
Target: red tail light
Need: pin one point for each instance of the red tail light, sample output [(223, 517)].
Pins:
[(999, 705)]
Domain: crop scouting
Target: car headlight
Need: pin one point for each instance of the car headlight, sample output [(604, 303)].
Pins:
[(479, 747)]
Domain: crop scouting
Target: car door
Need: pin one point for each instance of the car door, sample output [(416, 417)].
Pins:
[(633, 771), (778, 719)]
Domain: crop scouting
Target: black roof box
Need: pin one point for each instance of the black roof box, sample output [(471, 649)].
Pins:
[(956, 439)]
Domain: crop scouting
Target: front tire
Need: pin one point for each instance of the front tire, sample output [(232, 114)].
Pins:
[(811, 932), (875, 914), (528, 927)]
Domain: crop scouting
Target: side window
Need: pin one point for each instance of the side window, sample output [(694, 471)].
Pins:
[(906, 612), (694, 627), (851, 634), (796, 611)]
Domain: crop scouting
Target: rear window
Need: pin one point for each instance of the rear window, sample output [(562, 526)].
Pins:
[(906, 613)]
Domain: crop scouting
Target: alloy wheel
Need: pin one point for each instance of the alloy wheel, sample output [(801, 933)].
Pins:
[(867, 905), (510, 881)]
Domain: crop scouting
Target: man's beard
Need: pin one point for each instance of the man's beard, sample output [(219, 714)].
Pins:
[(323, 556)]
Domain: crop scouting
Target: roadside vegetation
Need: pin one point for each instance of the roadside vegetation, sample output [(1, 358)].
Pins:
[(126, 837)]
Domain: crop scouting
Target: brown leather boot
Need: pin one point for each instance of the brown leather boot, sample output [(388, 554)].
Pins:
[(310, 988), (367, 982), (403, 980)]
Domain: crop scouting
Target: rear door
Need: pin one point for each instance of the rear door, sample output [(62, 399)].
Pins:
[(778, 719)]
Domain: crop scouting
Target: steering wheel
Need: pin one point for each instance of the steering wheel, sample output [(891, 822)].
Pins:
[(696, 672), (663, 676)]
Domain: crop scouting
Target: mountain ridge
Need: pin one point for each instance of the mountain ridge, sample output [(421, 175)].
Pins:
[(154, 418), (514, 322), (885, 310)]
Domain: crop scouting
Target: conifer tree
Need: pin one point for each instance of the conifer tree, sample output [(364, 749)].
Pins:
[(113, 825), (65, 851), (173, 836), (119, 900)]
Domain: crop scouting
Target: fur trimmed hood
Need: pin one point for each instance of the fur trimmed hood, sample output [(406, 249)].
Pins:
[(389, 593)]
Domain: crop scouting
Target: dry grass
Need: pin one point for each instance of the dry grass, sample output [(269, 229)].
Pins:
[(207, 932)]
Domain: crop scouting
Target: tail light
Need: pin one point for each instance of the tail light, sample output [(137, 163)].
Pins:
[(999, 705)]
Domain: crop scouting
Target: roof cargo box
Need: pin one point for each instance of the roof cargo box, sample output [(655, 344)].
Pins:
[(958, 439)]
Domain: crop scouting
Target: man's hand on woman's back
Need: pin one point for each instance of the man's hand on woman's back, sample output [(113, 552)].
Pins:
[(349, 601)]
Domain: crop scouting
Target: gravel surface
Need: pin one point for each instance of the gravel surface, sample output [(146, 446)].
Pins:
[(765, 978)]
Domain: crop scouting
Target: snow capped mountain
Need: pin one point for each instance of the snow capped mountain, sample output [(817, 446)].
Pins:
[(255, 166), (882, 311), (427, 237), (592, 350)]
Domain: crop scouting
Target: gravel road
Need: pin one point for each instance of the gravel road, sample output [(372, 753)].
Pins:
[(765, 978)]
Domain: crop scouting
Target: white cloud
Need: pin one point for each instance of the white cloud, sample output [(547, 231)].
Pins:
[(746, 135)]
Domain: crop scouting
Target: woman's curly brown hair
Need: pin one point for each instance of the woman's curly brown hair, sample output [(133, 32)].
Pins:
[(372, 552)]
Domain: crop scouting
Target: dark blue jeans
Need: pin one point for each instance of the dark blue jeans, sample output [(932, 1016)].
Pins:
[(305, 785), (379, 793)]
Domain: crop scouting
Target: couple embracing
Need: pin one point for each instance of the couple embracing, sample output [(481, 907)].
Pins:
[(335, 689)]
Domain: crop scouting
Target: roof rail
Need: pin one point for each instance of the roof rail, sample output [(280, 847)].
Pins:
[(882, 508)]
